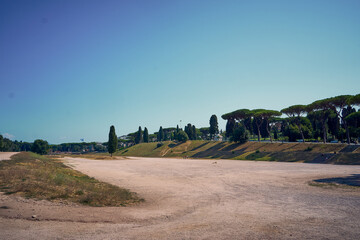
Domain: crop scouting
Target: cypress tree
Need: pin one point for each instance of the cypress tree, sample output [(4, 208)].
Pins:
[(214, 129), (190, 132), (146, 135), (194, 132), (230, 125), (139, 137), (160, 136), (112, 143)]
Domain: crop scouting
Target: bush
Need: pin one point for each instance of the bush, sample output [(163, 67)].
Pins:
[(40, 147), (308, 149), (182, 136), (159, 144), (240, 134)]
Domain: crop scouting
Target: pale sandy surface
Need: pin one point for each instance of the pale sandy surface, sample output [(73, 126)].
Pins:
[(6, 155), (197, 199)]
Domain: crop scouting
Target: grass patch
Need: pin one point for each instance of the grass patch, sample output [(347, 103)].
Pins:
[(94, 156), (259, 156), (308, 149), (331, 185), (34, 176)]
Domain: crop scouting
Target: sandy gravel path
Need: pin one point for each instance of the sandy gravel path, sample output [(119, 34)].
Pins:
[(198, 199), (6, 155)]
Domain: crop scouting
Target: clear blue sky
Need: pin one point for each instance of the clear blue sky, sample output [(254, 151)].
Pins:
[(70, 69)]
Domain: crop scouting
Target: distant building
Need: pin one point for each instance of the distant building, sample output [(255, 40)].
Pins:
[(124, 137)]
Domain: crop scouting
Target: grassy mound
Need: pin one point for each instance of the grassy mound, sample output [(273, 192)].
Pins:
[(259, 151), (34, 176)]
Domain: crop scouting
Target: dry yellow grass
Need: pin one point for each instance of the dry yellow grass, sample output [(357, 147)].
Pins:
[(34, 176)]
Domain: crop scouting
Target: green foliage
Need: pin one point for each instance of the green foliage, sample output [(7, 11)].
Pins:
[(160, 136), (293, 133), (230, 125), (139, 136), (191, 131), (214, 128), (353, 119), (354, 100), (194, 132), (40, 147), (239, 114), (204, 132), (295, 110), (146, 135), (1, 142), (240, 134), (182, 136), (308, 149), (79, 147), (113, 141)]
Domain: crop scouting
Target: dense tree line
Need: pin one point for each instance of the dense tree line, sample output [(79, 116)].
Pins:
[(333, 119), (38, 146), (6, 145)]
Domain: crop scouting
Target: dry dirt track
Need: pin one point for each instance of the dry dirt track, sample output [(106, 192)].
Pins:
[(198, 199), (6, 155)]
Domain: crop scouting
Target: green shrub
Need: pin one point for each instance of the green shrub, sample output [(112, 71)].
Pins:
[(182, 136)]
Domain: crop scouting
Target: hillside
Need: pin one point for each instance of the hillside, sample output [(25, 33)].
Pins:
[(260, 151)]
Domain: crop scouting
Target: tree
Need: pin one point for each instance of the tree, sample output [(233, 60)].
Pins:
[(322, 108), (1, 143), (146, 135), (334, 124), (214, 129), (139, 136), (258, 119), (230, 125), (339, 103), (268, 115), (40, 147), (182, 136), (353, 121), (354, 100), (113, 141), (293, 132), (240, 115), (194, 132), (191, 131), (160, 135), (295, 112), (240, 134), (204, 132)]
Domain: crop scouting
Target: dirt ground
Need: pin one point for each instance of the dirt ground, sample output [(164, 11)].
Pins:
[(197, 199), (6, 155)]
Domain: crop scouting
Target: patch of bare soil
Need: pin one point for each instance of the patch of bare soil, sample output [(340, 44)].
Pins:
[(197, 199), (6, 155)]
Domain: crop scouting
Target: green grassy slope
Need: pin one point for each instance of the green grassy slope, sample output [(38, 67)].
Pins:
[(261, 151)]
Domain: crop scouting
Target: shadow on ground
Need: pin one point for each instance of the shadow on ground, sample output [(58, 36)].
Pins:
[(352, 180)]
